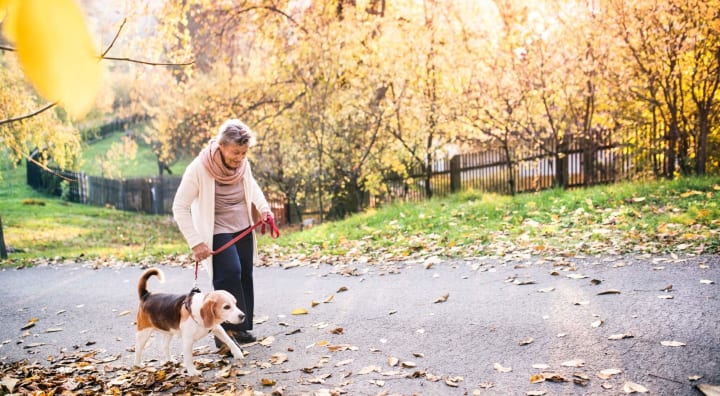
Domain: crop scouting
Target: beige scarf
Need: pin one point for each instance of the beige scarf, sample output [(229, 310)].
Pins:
[(212, 160)]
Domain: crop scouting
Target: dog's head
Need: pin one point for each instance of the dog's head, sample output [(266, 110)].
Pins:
[(220, 306)]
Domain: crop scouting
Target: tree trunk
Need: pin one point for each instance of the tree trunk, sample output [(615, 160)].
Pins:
[(3, 249)]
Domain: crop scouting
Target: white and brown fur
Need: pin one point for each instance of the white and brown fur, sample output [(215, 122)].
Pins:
[(190, 316)]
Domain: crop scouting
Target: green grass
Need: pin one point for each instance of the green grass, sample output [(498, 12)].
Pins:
[(679, 216), (654, 217), (40, 227), (144, 164)]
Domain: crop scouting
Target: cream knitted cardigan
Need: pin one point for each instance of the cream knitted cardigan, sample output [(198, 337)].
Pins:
[(194, 206)]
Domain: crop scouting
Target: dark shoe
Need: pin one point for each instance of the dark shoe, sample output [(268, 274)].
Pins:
[(243, 337)]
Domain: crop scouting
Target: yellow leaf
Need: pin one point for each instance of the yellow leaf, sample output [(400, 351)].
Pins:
[(56, 51), (299, 311), (534, 379), (9, 7), (267, 382)]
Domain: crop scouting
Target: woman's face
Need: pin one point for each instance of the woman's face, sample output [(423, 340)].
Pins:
[(233, 154)]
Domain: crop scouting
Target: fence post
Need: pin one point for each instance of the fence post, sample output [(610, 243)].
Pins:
[(455, 176)]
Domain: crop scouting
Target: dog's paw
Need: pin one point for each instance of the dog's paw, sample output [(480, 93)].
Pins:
[(238, 353), (193, 372)]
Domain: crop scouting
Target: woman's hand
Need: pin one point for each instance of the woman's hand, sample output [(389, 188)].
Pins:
[(266, 216), (201, 251)]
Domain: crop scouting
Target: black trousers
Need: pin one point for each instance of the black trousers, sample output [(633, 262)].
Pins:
[(233, 271)]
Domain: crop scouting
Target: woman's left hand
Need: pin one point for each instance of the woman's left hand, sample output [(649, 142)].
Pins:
[(266, 216)]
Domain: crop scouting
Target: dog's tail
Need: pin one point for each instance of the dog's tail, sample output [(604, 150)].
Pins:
[(142, 283)]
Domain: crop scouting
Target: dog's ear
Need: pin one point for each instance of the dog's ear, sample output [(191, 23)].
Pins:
[(208, 311)]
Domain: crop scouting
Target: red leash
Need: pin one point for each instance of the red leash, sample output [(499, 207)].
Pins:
[(274, 232)]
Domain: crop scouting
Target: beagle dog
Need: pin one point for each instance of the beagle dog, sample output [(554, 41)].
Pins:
[(191, 316)]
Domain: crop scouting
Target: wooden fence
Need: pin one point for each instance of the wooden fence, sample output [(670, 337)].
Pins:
[(152, 195), (571, 162)]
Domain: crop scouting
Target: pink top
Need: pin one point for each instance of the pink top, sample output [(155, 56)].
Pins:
[(231, 211)]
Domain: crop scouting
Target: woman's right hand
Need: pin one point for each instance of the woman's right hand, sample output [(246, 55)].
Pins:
[(201, 251)]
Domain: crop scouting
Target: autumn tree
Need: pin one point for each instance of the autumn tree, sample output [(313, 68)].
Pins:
[(671, 54)]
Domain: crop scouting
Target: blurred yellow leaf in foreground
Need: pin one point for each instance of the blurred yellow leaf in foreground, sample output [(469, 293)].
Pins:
[(55, 50)]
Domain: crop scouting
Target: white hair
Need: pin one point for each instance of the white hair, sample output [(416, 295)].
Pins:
[(235, 131)]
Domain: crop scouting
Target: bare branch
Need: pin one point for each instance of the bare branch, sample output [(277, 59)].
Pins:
[(148, 62), (45, 168), (117, 34), (29, 115), (101, 57)]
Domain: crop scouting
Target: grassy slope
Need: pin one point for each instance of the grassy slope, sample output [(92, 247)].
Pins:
[(654, 217), (42, 226), (144, 164)]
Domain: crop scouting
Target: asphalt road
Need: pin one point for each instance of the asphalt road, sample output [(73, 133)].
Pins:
[(481, 326)]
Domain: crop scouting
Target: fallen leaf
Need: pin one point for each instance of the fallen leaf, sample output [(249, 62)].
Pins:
[(342, 289), (443, 298), (709, 390), (573, 363), (379, 383), (706, 282), (267, 341), (329, 299), (666, 297), (53, 330), (453, 381), (597, 323), (393, 361), (123, 313), (608, 373), (553, 377), (29, 324), (546, 290), (344, 362), (609, 291), (408, 364), (267, 382), (631, 387), (278, 358), (536, 393), (9, 383), (672, 343), (499, 367), (526, 341), (581, 379), (369, 369), (537, 378), (620, 336), (337, 330), (299, 311), (694, 377), (576, 276), (313, 304)]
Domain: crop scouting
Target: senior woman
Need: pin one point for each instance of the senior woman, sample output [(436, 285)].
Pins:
[(213, 204)]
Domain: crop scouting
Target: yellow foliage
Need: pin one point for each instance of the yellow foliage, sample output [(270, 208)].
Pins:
[(55, 50)]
